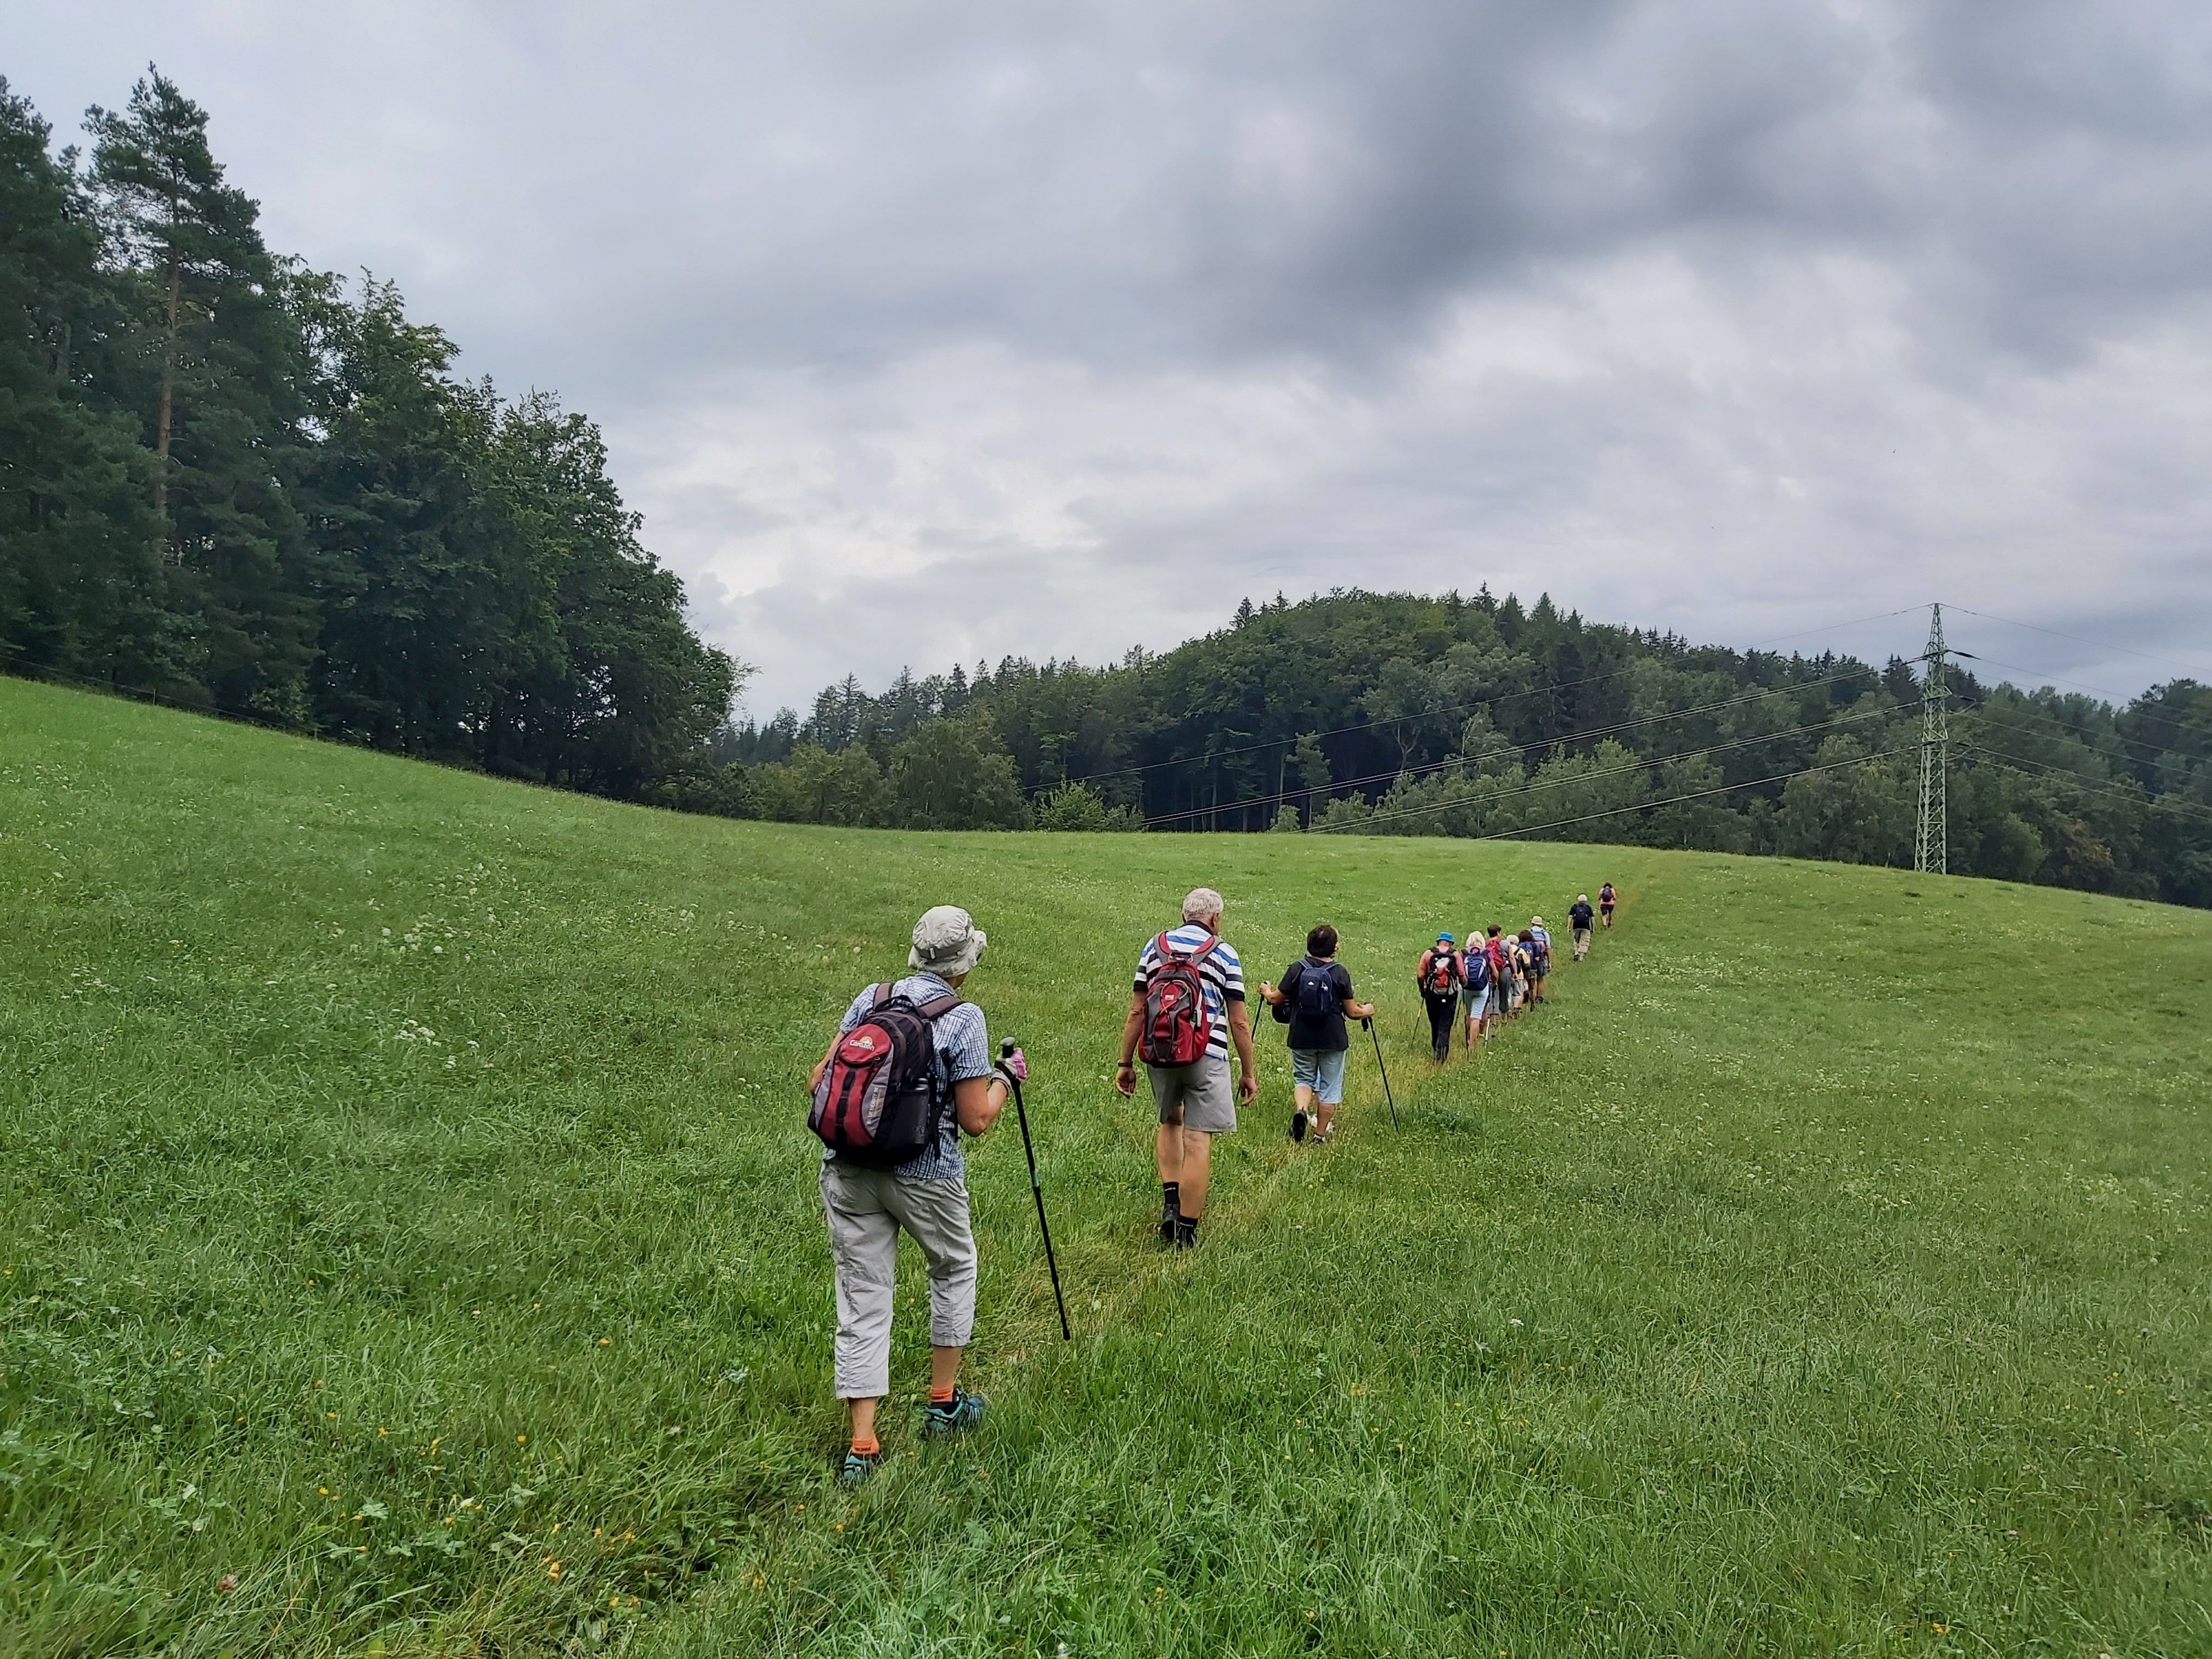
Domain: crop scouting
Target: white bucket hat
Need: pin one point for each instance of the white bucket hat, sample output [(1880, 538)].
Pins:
[(946, 941)]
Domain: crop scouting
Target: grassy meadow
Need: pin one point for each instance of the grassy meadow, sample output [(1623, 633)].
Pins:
[(409, 1244)]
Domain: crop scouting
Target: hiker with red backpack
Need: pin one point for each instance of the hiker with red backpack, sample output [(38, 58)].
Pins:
[(1438, 978), (909, 1071), (1315, 1000), (1505, 981), (1186, 1009)]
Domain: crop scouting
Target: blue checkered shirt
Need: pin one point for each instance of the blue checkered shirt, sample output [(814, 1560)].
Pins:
[(963, 1051)]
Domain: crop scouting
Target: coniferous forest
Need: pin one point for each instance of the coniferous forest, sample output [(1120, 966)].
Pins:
[(233, 483), (237, 484)]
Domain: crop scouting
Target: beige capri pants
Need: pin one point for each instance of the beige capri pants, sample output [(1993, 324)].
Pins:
[(867, 1208)]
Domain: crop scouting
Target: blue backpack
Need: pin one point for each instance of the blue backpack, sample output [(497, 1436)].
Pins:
[(1478, 970), (1315, 984)]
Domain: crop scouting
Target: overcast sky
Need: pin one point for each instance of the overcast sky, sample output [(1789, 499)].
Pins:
[(935, 332)]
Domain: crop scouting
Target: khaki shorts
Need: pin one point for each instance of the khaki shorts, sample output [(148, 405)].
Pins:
[(1196, 1097), (867, 1211)]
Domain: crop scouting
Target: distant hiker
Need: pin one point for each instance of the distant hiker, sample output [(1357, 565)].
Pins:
[(1478, 981), (1188, 1006), (1314, 1000), (1605, 903), (1505, 988), (1438, 978), (1579, 915), (1541, 937), (1523, 950), (909, 1071)]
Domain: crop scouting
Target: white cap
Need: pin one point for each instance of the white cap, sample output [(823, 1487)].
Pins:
[(946, 941)]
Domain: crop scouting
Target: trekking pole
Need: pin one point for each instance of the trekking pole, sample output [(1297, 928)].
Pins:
[(1385, 1070), (1022, 1116)]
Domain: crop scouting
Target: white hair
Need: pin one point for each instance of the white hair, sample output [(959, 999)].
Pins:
[(1202, 904)]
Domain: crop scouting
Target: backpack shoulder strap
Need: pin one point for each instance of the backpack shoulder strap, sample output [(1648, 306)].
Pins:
[(937, 1007), (1169, 953), (881, 993)]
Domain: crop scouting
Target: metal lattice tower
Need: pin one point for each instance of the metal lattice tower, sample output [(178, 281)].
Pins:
[(1931, 846)]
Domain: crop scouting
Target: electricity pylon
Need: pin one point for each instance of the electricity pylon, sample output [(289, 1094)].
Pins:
[(1931, 846)]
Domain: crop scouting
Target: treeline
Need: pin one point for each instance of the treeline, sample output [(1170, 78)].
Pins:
[(1391, 714), (236, 484)]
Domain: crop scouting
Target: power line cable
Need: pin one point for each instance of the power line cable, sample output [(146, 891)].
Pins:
[(2077, 639), (2048, 679), (1832, 627), (2092, 787), (1518, 748), (1640, 765), (1974, 711), (1616, 811)]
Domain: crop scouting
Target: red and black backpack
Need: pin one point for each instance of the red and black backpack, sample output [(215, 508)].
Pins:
[(879, 1104), (1439, 972), (1178, 1028)]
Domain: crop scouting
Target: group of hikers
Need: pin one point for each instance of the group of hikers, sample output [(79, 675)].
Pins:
[(1498, 974), (910, 1072)]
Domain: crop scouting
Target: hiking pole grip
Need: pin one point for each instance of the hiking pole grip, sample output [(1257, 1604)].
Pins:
[(1036, 1190)]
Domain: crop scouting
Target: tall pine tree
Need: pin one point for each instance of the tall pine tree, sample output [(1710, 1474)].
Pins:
[(210, 357), (82, 589)]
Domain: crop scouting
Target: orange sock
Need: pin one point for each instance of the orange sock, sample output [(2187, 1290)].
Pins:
[(867, 1448), (940, 1396)]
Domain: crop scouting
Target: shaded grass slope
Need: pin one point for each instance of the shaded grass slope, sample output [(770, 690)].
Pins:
[(407, 1212)]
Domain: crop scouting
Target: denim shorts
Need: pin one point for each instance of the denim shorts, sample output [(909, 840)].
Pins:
[(1321, 1070)]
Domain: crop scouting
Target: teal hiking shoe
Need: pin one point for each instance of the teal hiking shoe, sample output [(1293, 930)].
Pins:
[(857, 1468), (964, 1411)]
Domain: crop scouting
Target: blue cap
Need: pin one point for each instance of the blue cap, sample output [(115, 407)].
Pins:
[(1444, 938)]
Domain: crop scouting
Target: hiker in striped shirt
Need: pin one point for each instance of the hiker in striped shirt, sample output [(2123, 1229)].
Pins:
[(1195, 1101)]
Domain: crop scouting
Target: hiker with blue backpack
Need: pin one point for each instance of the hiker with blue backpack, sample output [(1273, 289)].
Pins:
[(1186, 1010), (909, 1072), (1477, 987), (1315, 999)]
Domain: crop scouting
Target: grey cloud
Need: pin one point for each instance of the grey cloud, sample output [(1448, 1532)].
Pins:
[(1056, 328)]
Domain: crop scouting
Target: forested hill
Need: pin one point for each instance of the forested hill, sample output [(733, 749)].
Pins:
[(233, 483), (1401, 714)]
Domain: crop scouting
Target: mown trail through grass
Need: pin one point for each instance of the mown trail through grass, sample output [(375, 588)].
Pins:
[(1822, 1272)]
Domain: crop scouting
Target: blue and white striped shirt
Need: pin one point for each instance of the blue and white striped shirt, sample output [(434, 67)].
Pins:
[(1220, 970)]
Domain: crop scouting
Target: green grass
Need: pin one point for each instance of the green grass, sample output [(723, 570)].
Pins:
[(1823, 1272)]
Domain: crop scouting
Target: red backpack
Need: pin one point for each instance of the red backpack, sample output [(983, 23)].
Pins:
[(1439, 972), (878, 1103), (1178, 1029)]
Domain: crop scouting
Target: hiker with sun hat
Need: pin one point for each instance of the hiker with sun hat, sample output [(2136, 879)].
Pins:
[(909, 1072)]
